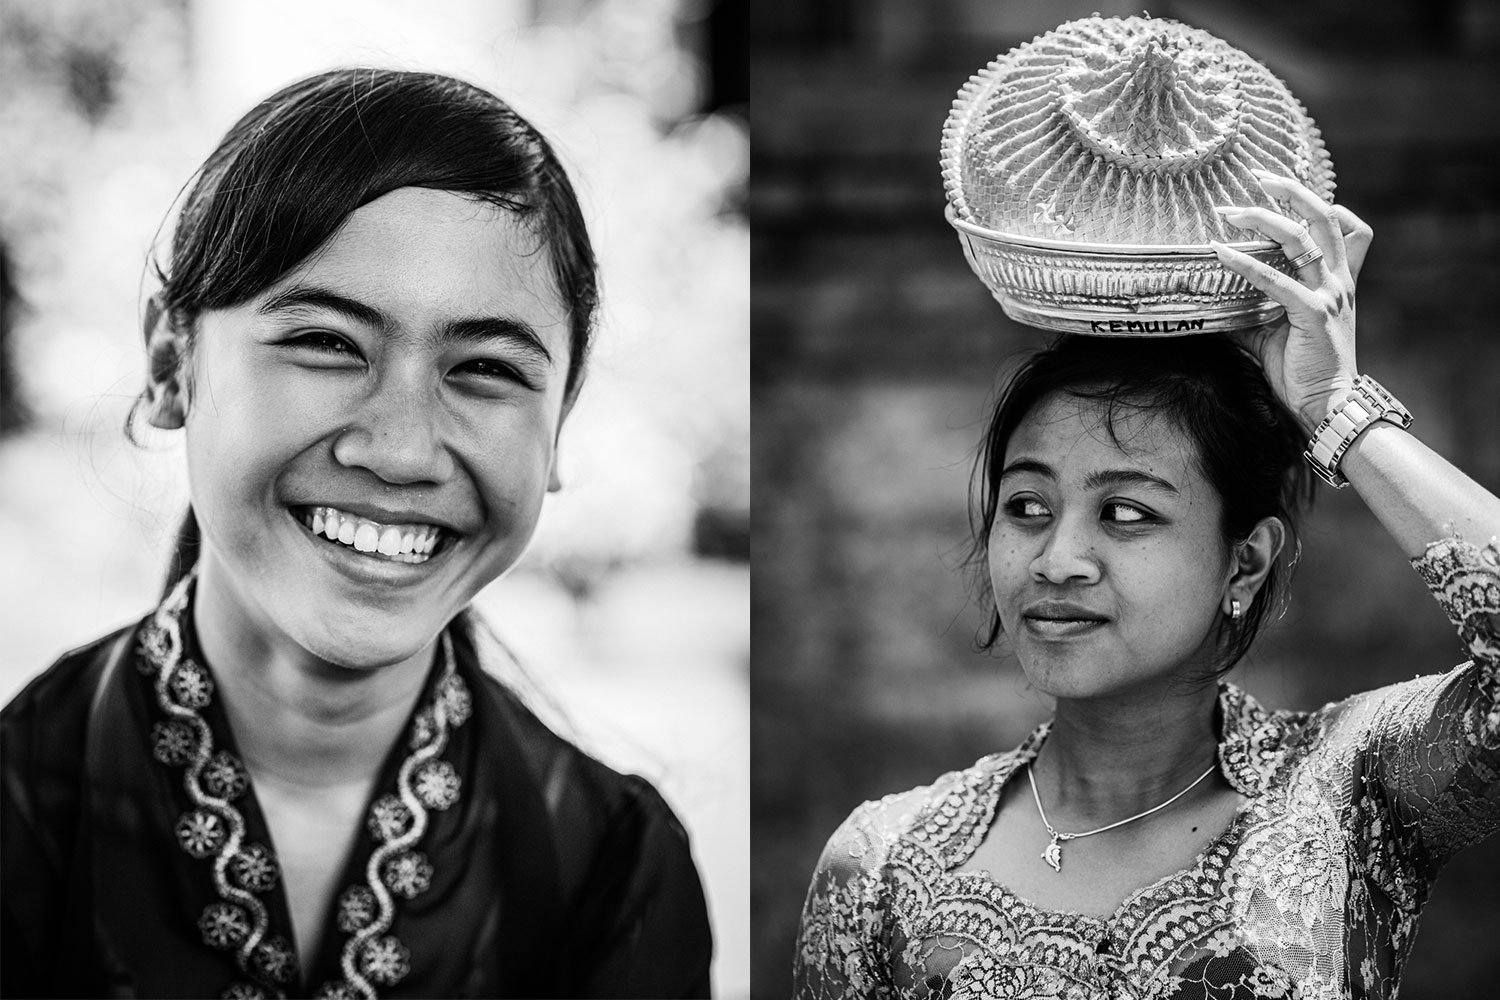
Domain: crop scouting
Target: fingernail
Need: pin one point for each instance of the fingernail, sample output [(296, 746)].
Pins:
[(1229, 210), (1217, 246)]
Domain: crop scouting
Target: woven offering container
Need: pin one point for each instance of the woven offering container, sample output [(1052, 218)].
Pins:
[(1081, 170)]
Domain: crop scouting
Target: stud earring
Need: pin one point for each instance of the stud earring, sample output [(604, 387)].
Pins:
[(1236, 611)]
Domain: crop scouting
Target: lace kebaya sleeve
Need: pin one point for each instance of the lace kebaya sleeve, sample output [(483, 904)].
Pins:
[(840, 950), (1436, 748)]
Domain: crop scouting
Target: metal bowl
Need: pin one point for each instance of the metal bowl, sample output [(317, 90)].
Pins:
[(1117, 290)]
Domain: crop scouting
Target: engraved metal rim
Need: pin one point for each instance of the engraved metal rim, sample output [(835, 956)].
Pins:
[(1125, 250), (1167, 324)]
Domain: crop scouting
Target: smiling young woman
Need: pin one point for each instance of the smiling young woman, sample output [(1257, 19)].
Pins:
[(296, 777)]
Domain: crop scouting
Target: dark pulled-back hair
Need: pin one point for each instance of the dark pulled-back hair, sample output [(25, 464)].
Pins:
[(286, 176), (1247, 445), (283, 180)]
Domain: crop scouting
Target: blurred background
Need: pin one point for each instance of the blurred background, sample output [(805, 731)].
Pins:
[(876, 351), (631, 609)]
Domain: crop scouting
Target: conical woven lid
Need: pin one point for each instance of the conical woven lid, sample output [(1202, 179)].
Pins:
[(1123, 131)]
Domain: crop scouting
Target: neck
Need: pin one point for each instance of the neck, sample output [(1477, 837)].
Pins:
[(300, 721), (1106, 759)]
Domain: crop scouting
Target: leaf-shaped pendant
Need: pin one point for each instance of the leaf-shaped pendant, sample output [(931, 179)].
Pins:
[(1053, 855)]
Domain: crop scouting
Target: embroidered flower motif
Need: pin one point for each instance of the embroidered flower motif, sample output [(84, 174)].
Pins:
[(454, 695), (357, 909), (389, 819), (1268, 982), (255, 869), (408, 874), (225, 777), (385, 961), (423, 728), (1221, 943), (191, 685), (173, 743), (224, 925), (273, 959), (339, 990), (155, 648), (243, 991), (200, 832), (436, 784)]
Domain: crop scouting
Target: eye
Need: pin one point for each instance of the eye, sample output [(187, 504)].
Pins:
[(323, 342), (1024, 507), (491, 370), (1121, 512)]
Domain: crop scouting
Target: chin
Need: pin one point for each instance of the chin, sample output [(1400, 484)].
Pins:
[(362, 646)]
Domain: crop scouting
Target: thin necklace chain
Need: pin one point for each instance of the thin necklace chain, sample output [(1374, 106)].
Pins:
[(1059, 837)]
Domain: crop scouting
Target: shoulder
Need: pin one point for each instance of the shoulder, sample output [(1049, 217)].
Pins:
[(43, 740), (581, 791), (595, 811), (47, 718), (949, 805)]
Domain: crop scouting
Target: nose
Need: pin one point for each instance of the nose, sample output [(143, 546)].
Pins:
[(1067, 555), (397, 433)]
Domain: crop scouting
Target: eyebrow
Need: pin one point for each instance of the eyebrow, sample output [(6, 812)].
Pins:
[(1099, 479), (476, 330)]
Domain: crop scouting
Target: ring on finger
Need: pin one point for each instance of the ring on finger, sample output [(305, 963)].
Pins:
[(1304, 259)]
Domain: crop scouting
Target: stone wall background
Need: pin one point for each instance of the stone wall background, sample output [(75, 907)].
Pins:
[(875, 351)]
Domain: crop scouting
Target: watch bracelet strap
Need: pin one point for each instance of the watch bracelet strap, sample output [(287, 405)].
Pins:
[(1367, 402)]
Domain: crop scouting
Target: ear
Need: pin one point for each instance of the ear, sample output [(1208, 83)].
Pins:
[(554, 481), (1251, 563), (166, 375)]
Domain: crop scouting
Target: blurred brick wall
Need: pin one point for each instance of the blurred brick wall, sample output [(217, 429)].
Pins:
[(875, 351)]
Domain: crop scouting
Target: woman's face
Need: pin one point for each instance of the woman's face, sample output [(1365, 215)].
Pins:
[(404, 386), (1107, 562)]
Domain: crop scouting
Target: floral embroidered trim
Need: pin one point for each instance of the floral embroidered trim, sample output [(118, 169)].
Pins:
[(1465, 579), (398, 821), (215, 829)]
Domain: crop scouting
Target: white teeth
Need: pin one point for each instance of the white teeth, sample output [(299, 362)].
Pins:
[(366, 538), (399, 543), (390, 542)]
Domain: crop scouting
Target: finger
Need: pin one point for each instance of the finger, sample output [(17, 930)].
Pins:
[(1321, 221), (1283, 288), (1293, 238), (1262, 342), (1357, 238)]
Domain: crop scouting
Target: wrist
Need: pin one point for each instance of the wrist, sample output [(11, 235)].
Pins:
[(1365, 403)]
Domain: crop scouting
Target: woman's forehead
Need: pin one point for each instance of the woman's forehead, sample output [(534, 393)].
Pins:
[(1065, 431), (417, 251)]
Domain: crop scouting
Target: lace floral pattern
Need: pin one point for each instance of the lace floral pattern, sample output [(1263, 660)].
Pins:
[(214, 830), (1313, 891)]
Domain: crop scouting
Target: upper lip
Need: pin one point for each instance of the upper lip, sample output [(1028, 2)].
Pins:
[(385, 515), (1061, 611)]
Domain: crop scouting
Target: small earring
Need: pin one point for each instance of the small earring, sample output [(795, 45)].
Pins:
[(1235, 610)]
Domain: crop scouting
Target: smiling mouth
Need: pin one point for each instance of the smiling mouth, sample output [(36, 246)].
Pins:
[(405, 543)]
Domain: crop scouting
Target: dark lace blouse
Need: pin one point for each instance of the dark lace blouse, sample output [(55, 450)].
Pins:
[(1313, 890), (496, 860)]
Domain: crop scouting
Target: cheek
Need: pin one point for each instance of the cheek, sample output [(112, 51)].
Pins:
[(1009, 564), (1170, 589)]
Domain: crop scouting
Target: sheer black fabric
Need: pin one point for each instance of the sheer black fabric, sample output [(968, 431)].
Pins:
[(540, 872)]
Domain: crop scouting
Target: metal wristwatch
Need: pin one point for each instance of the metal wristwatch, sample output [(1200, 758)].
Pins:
[(1367, 402)]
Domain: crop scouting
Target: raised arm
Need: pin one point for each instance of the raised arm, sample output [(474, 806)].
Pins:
[(1309, 358), (1433, 745)]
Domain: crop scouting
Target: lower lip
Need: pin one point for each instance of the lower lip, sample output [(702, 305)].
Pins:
[(364, 569), (1048, 628)]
